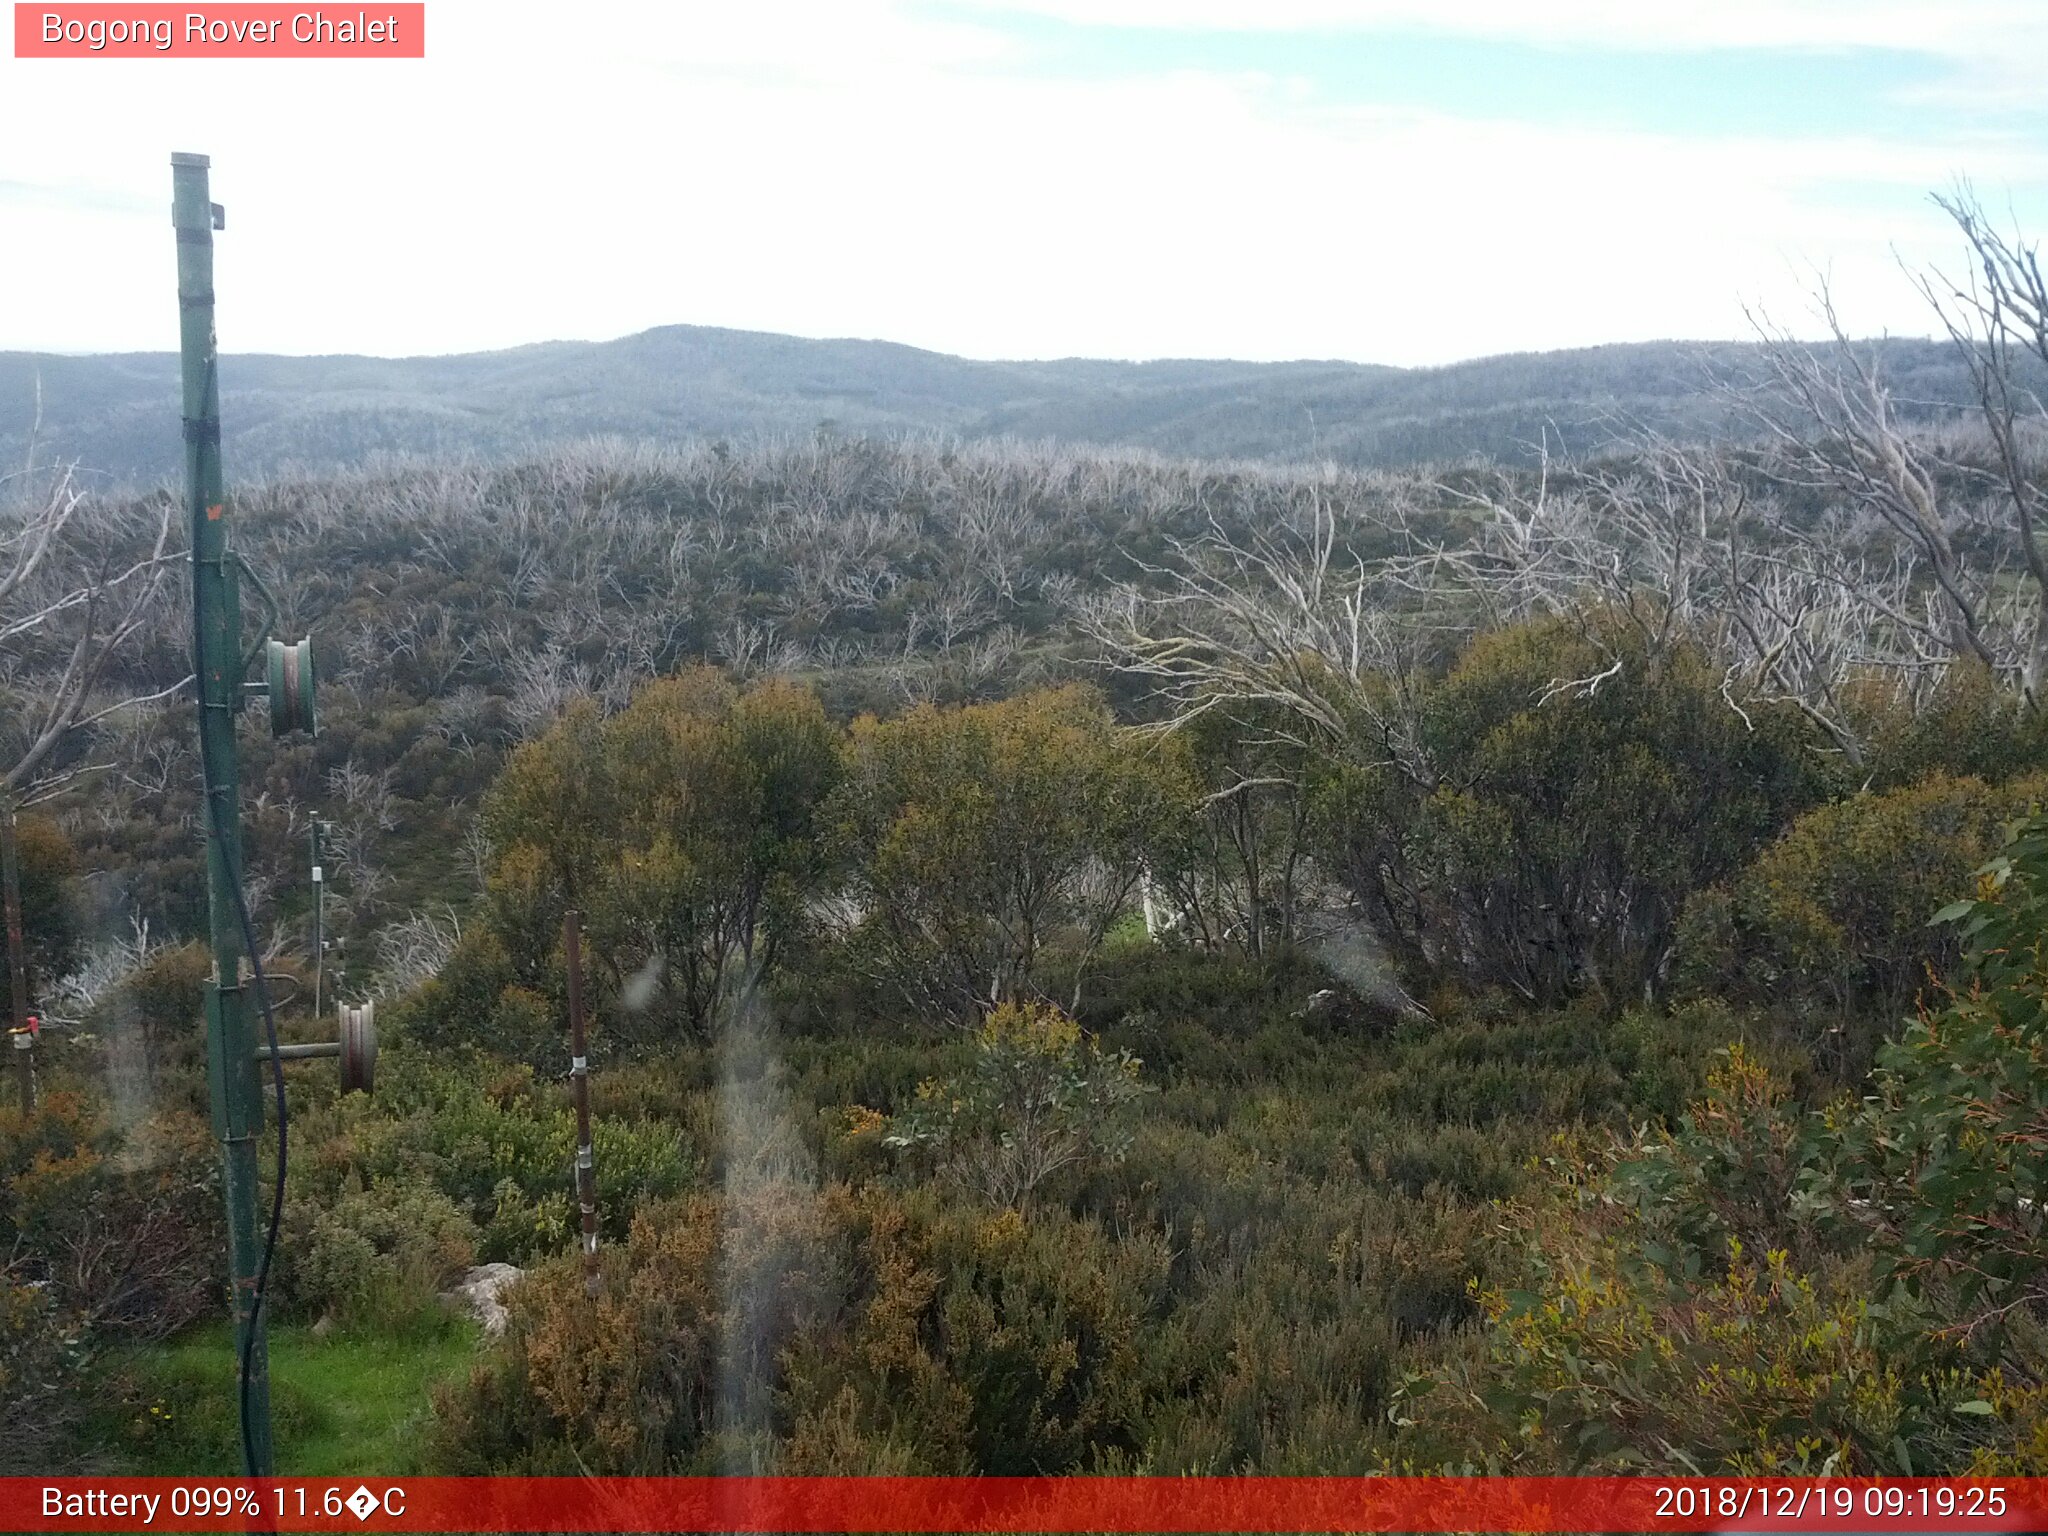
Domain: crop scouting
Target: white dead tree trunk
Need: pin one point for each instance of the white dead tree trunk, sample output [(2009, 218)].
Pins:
[(1997, 317), (1283, 624), (1962, 513), (79, 582), (1843, 436)]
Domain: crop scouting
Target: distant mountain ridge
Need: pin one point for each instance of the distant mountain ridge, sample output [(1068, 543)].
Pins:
[(117, 414)]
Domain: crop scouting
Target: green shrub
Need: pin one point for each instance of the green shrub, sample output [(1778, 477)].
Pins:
[(122, 1227), (1726, 1176), (1974, 726), (980, 837), (1600, 1362), (1942, 1167), (379, 1258), (1766, 1289), (48, 891), (687, 827), (111, 1236), (478, 1002), (1572, 822), (1458, 1159), (674, 1365), (45, 1386), (979, 1344), (818, 1331), (1831, 920), (1040, 1098), (155, 1020), (486, 1135)]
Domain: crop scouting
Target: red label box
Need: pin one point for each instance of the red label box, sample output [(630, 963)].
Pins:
[(229, 31), (1013, 1506)]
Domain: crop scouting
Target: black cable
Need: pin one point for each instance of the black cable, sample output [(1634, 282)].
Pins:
[(283, 1141), (248, 925)]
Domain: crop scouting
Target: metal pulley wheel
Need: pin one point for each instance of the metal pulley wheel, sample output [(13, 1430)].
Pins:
[(358, 1048), (291, 686)]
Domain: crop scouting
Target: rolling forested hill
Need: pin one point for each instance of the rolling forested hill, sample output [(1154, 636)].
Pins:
[(117, 414)]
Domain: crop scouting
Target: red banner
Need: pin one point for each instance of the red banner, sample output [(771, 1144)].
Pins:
[(226, 31), (1024, 1504)]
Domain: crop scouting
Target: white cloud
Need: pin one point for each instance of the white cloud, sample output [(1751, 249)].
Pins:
[(846, 170), (1950, 28)]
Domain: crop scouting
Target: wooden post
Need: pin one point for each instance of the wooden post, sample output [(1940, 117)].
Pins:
[(579, 1083)]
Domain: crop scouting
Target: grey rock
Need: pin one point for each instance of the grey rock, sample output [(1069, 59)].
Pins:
[(480, 1290)]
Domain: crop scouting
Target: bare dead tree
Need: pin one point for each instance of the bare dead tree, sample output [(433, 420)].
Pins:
[(1285, 623), (1833, 426), (1679, 548), (79, 583), (478, 856), (1656, 546), (416, 947), (543, 684), (365, 795), (1997, 317)]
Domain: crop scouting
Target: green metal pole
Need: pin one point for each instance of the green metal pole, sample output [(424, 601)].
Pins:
[(217, 659), (17, 960), (319, 911)]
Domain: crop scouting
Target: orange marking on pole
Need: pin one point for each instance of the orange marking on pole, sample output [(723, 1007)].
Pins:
[(213, 513)]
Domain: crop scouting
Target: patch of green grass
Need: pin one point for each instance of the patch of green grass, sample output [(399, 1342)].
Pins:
[(1126, 934), (340, 1406)]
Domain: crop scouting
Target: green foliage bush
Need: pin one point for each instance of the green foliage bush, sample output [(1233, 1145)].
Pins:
[(488, 1138), (1972, 727), (44, 1357), (1572, 822), (635, 1380), (980, 836), (979, 1344), (686, 829), (863, 1332), (1230, 860), (1604, 1363), (51, 920), (119, 1224), (149, 1032), (1942, 1166), (1573, 780), (477, 1001), (1830, 922), (1041, 1098), (378, 1258), (110, 1235), (1484, 1062), (1461, 1159), (1768, 1288)]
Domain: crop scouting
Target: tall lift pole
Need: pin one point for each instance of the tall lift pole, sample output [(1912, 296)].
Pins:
[(219, 666), (234, 1059), (19, 1034)]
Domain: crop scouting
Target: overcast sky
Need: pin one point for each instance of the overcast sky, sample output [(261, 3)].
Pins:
[(1401, 181)]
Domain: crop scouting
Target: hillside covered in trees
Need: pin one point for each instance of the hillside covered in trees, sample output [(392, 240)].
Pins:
[(287, 414), (1100, 962)]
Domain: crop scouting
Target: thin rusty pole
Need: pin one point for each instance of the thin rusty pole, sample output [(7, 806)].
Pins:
[(17, 961), (579, 1081)]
